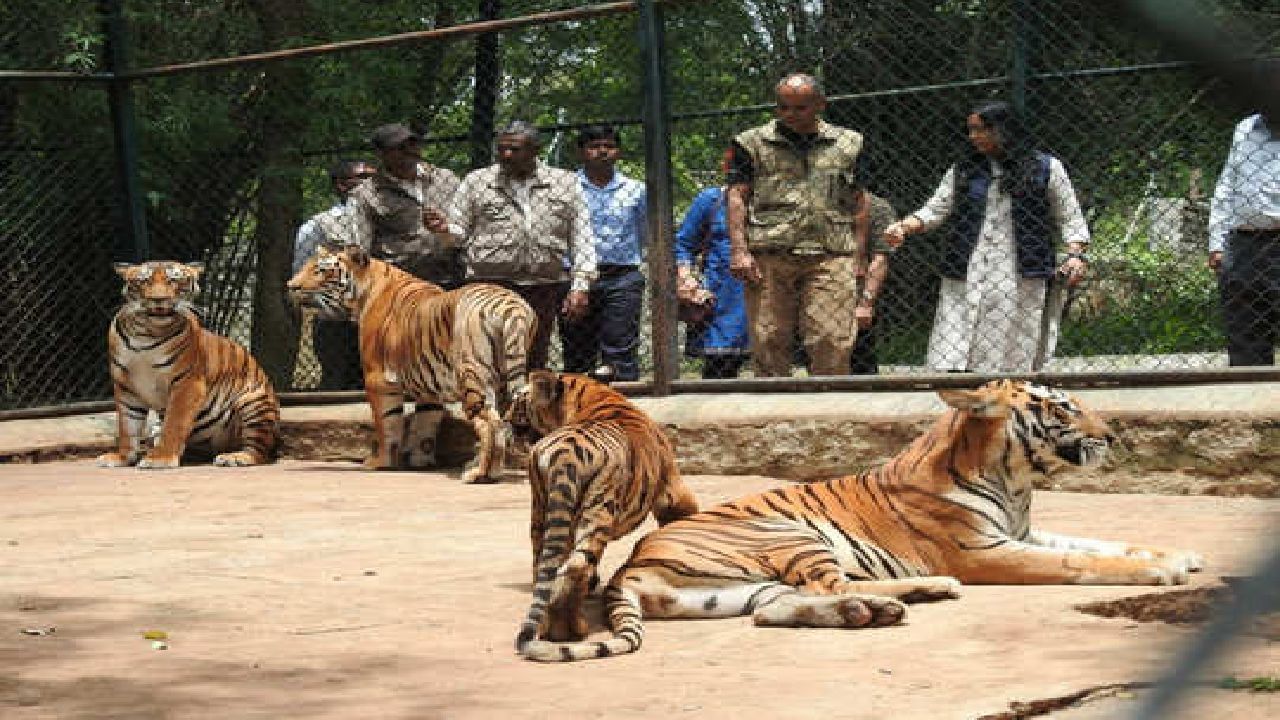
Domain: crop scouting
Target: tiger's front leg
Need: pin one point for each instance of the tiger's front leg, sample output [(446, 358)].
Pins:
[(386, 401), (1020, 563), (131, 416), (186, 398), (1192, 561)]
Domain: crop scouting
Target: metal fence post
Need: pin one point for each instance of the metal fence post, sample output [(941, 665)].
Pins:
[(657, 151), (488, 74), (1024, 61), (131, 223)]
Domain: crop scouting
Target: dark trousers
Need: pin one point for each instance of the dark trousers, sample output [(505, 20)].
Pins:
[(337, 345), (722, 367), (610, 331), (545, 300), (863, 360), (1250, 292)]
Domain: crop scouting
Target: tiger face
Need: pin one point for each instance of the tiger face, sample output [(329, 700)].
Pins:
[(1052, 428), (326, 284), (159, 289), (538, 408)]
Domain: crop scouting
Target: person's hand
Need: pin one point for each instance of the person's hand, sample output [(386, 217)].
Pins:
[(742, 265), (895, 234), (433, 219), (864, 313), (1215, 262), (1073, 270), (574, 307)]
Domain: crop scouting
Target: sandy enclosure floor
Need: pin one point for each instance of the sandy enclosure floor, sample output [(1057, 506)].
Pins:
[(317, 590)]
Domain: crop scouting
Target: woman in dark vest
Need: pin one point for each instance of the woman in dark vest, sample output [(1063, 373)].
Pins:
[(1008, 206)]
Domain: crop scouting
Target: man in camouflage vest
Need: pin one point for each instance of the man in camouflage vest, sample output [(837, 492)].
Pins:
[(525, 226), (392, 211), (798, 219)]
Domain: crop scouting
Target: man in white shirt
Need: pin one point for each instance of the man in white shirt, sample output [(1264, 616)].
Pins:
[(1244, 236)]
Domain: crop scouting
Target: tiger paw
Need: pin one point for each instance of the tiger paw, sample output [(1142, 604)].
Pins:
[(1193, 562), (1169, 572), (834, 611), (235, 459), (158, 462), (474, 476), (375, 462), (112, 459), (933, 588), (881, 611)]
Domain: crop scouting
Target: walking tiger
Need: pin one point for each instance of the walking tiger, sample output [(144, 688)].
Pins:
[(468, 345)]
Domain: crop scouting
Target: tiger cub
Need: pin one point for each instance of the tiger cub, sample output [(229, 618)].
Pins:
[(209, 392), (952, 507), (600, 468)]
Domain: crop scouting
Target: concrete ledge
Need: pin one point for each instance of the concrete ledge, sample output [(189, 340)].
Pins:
[(1200, 439)]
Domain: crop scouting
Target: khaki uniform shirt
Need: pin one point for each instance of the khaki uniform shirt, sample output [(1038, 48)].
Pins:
[(387, 216), (539, 234)]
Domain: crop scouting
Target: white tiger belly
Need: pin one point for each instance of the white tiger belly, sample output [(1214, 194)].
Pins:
[(150, 385)]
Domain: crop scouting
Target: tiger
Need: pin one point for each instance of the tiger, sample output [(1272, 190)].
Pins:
[(207, 391), (600, 468), (468, 345), (951, 508)]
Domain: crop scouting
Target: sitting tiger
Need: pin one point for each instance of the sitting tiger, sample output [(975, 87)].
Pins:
[(209, 392), (468, 345), (952, 507), (600, 468)]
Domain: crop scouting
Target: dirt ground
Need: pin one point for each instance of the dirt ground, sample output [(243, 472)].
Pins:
[(317, 590)]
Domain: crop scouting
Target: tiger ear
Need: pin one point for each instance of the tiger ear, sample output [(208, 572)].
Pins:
[(121, 268), (979, 403), (358, 256), (196, 267), (546, 385)]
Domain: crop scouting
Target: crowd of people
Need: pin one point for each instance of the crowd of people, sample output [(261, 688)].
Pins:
[(783, 263)]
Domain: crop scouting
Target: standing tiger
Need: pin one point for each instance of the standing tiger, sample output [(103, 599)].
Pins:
[(208, 392), (468, 345), (953, 507), (600, 468)]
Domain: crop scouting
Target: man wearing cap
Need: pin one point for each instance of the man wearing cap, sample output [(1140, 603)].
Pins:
[(392, 212), (525, 226)]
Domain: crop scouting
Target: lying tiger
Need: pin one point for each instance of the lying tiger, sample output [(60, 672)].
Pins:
[(951, 508), (468, 345), (600, 468), (209, 392)]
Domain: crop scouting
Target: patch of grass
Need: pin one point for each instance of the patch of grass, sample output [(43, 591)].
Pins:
[(1261, 683)]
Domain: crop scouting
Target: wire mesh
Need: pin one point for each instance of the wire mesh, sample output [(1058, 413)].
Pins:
[(232, 160)]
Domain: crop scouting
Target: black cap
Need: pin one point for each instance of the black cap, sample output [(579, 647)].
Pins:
[(392, 135)]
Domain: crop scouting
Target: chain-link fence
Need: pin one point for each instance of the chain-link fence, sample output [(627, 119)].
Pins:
[(207, 131)]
